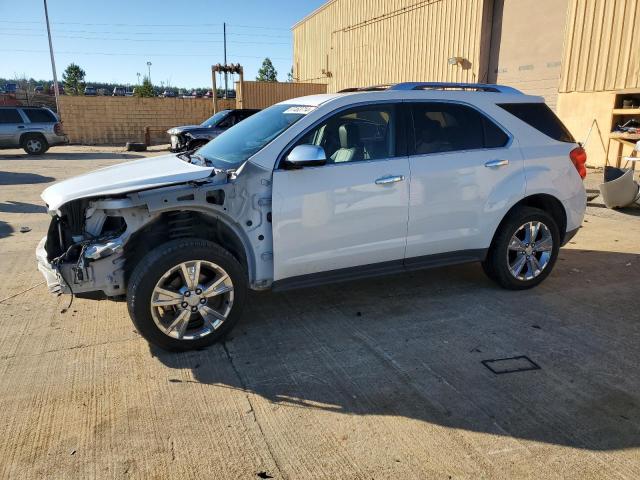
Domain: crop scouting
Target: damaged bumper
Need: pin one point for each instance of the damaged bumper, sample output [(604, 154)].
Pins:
[(51, 276)]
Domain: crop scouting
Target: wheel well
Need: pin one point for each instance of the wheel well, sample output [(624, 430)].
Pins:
[(27, 135), (549, 204), (182, 224)]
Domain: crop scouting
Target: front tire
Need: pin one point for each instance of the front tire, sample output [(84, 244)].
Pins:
[(186, 294), (524, 250)]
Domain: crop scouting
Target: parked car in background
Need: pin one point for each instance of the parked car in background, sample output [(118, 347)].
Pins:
[(190, 137), (34, 129), (90, 91), (52, 89), (39, 89), (208, 94), (169, 94), (119, 92), (11, 88)]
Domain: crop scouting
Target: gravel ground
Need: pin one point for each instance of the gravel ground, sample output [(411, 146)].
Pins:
[(380, 378)]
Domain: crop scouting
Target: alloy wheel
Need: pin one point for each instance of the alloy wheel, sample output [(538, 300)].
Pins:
[(192, 300), (530, 250)]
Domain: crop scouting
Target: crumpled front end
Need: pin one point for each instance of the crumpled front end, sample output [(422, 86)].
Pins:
[(83, 250)]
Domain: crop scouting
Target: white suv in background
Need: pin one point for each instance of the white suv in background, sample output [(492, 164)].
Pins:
[(321, 189)]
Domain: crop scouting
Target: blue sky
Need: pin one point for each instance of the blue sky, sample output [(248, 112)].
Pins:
[(112, 41)]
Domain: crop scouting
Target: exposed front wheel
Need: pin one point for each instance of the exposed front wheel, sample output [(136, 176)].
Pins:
[(524, 250), (186, 294)]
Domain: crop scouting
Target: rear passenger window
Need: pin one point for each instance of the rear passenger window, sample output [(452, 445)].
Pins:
[(10, 115), (37, 115), (448, 127), (540, 117)]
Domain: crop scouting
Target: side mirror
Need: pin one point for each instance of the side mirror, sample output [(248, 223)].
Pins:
[(306, 156)]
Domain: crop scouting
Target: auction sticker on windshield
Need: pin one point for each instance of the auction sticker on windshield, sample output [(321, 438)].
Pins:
[(300, 110)]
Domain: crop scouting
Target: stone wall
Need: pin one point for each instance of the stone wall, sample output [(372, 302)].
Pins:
[(117, 120)]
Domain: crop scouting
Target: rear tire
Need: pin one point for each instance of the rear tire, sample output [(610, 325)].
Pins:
[(524, 250), (191, 315), (34, 144)]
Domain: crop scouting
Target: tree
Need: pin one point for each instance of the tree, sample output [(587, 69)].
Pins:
[(146, 89), (267, 72), (73, 80), (290, 77)]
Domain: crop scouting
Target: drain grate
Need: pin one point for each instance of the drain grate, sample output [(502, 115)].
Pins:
[(521, 363)]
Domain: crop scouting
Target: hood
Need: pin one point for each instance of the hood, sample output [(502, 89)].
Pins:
[(123, 178)]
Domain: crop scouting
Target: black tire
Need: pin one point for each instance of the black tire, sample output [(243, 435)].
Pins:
[(160, 260), (496, 265), (34, 144)]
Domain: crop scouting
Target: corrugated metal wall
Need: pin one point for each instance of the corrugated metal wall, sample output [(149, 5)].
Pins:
[(349, 43), (265, 94), (602, 46)]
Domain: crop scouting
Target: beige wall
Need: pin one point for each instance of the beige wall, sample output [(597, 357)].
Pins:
[(117, 120), (349, 43), (265, 94), (602, 46), (526, 46), (578, 110)]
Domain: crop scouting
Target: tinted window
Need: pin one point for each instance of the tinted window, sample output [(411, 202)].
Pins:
[(540, 117), (363, 133), (447, 127), (37, 115), (10, 115)]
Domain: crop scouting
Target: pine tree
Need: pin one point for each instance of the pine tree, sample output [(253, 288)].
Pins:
[(267, 72), (146, 89), (73, 80)]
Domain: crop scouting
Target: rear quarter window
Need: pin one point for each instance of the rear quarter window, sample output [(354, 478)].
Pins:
[(37, 115), (540, 117)]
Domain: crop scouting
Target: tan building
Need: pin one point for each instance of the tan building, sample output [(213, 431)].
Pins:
[(575, 53)]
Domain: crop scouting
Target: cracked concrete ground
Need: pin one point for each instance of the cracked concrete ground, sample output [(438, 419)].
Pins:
[(370, 379)]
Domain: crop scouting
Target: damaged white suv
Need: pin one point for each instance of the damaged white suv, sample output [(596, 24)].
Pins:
[(321, 189)]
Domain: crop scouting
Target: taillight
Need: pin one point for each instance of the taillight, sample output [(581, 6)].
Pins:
[(579, 158), (57, 129)]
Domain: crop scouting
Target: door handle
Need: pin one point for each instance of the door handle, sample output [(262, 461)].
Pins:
[(389, 179), (20, 126), (496, 163)]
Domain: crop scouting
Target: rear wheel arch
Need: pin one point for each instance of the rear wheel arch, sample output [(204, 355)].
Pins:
[(541, 201)]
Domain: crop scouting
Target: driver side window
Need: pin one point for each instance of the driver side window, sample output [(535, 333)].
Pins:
[(361, 133)]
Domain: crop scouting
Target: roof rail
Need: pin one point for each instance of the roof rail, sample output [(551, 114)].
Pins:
[(479, 87)]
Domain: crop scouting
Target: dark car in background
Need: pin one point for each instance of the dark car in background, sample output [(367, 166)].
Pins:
[(190, 137), (90, 91)]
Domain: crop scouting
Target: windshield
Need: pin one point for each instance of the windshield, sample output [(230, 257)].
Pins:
[(240, 142), (212, 121)]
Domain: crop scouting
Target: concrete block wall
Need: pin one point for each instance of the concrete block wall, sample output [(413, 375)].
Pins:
[(117, 120)]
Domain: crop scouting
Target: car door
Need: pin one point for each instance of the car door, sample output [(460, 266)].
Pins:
[(350, 213), (11, 126), (466, 171)]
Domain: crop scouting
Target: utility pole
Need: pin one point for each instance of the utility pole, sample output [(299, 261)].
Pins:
[(226, 86), (53, 62), (149, 71)]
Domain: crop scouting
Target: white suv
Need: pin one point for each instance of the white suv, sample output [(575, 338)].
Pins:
[(321, 189)]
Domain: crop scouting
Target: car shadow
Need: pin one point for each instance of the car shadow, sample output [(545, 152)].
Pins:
[(17, 178), (21, 207), (412, 345), (5, 229)]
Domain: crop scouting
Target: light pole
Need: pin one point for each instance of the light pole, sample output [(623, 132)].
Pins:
[(53, 62), (149, 71), (138, 74)]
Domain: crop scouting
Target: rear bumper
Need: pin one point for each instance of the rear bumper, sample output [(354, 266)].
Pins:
[(54, 140)]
